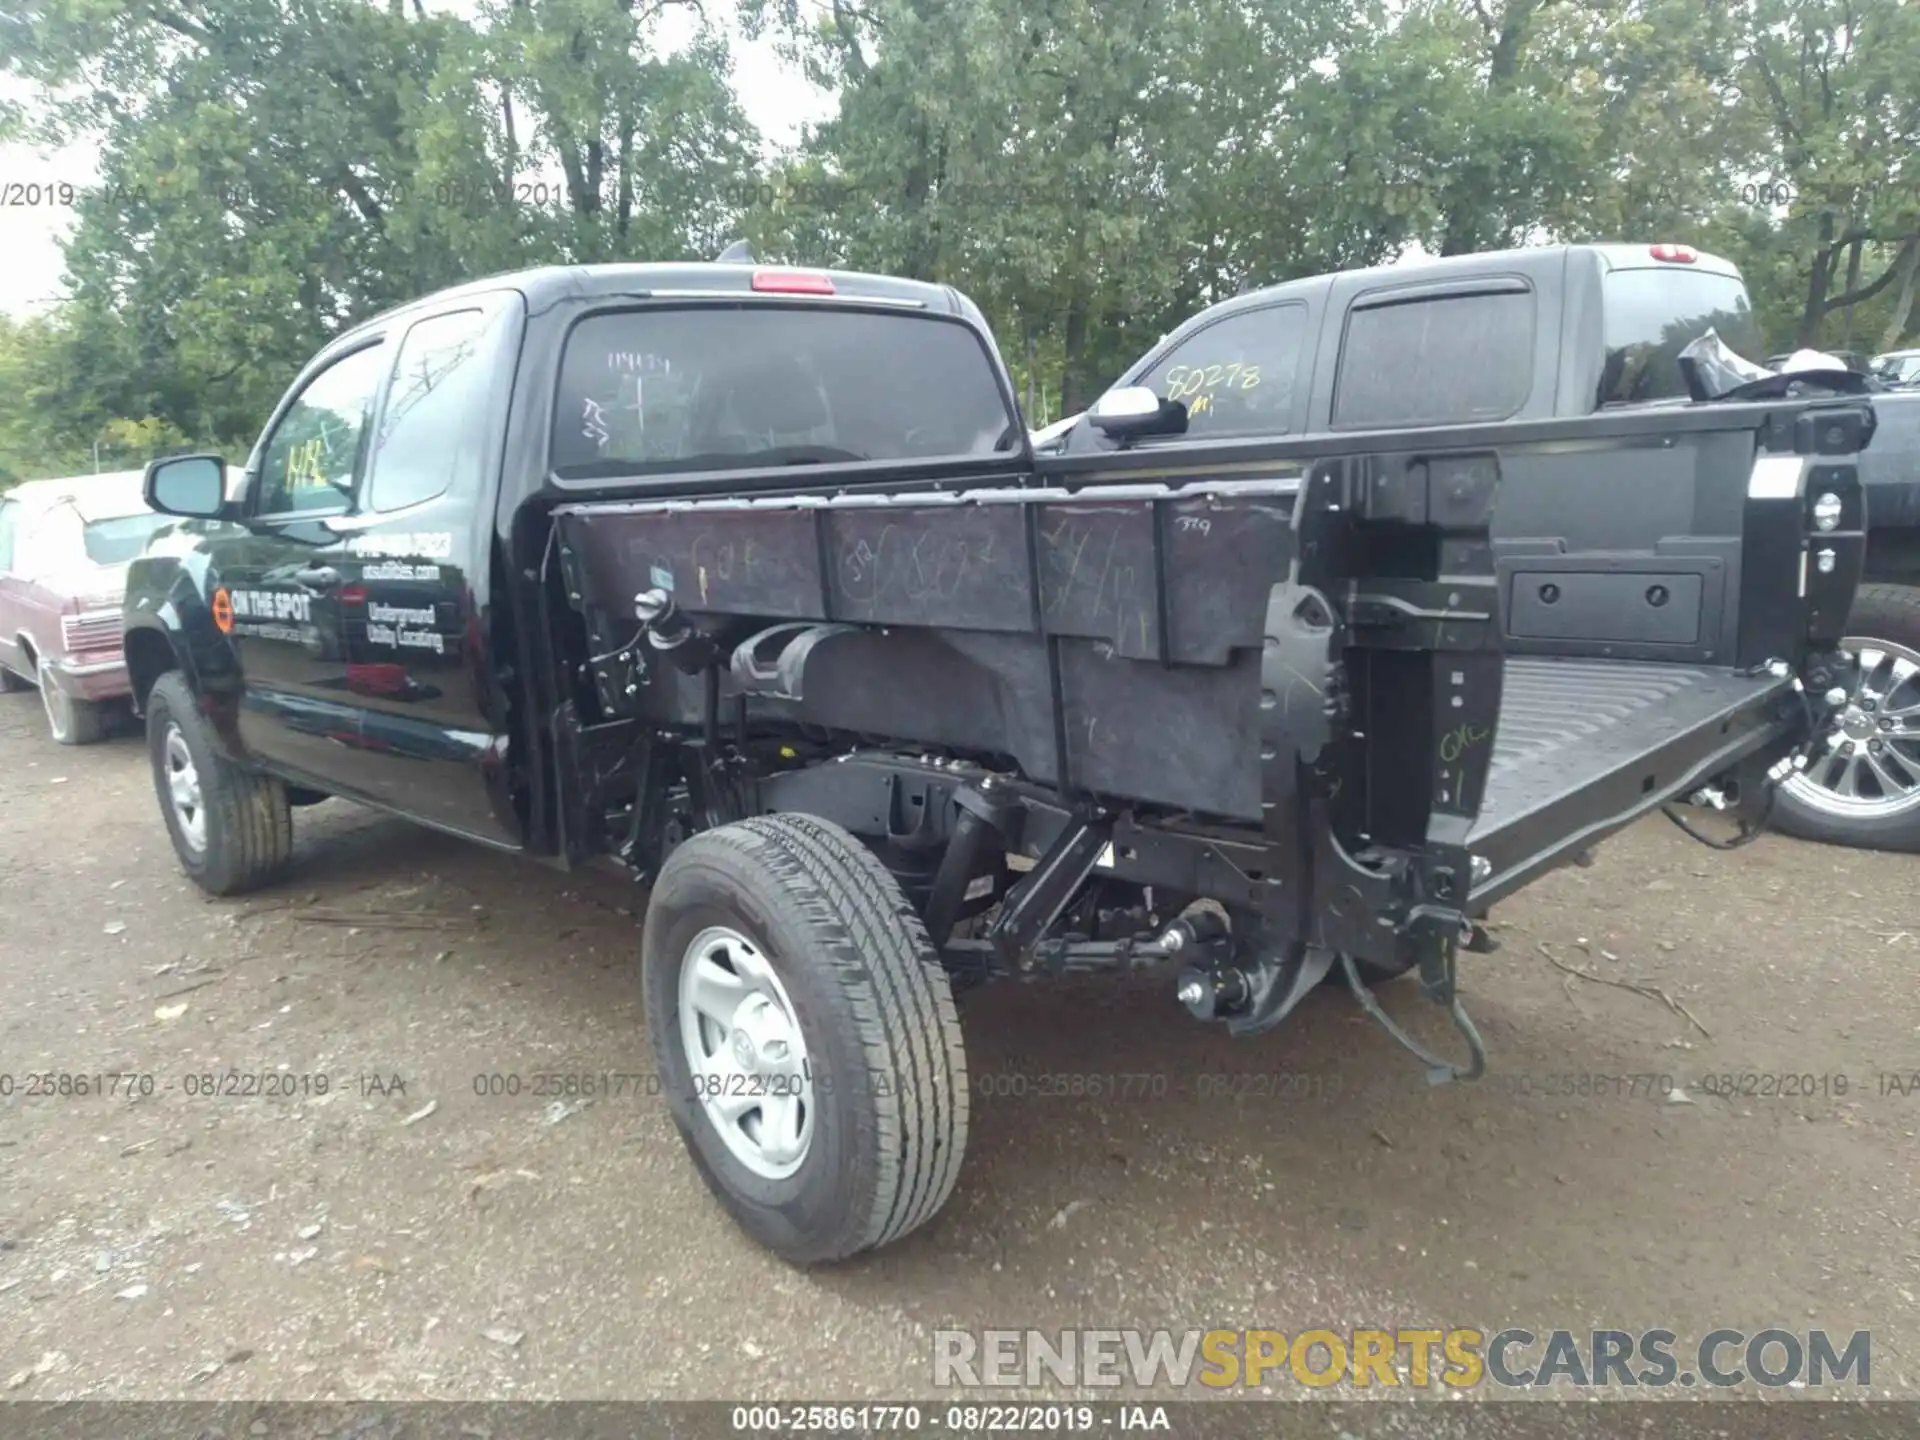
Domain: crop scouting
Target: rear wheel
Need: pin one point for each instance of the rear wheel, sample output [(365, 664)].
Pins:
[(806, 1036), (230, 827), (1862, 785), (12, 684), (71, 720)]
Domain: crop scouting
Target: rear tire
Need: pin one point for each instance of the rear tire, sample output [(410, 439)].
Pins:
[(230, 827), (815, 927), (12, 684), (1886, 617), (71, 721)]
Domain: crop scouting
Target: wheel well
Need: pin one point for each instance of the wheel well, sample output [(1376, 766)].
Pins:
[(149, 656)]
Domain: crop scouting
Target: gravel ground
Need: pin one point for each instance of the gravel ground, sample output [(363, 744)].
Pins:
[(405, 1236)]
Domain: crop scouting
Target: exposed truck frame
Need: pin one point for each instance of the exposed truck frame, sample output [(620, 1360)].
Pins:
[(1283, 695)]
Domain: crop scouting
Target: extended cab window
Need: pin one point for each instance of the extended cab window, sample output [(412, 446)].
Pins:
[(722, 388), (1436, 360), (1236, 375), (1652, 314), (313, 456), (427, 435)]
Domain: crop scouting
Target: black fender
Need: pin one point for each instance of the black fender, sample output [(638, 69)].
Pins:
[(168, 624)]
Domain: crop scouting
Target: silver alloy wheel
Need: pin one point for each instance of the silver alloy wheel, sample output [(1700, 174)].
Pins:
[(1867, 765), (183, 788), (56, 702), (748, 1057)]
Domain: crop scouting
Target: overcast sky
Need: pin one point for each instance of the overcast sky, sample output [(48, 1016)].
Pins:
[(774, 95)]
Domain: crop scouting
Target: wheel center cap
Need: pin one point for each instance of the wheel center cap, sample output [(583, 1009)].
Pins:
[(1857, 724), (743, 1050)]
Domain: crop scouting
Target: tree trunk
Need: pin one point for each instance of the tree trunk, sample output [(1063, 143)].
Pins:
[(1471, 223), (1853, 284), (1903, 306), (1818, 282), (512, 138), (623, 204), (1073, 341), (1032, 366)]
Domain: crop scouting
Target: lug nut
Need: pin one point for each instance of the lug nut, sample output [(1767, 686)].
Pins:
[(1191, 993), (1874, 747)]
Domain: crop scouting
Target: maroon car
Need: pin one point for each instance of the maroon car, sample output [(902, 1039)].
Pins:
[(64, 548)]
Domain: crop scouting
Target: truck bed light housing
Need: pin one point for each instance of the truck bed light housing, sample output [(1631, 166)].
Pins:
[(1674, 254)]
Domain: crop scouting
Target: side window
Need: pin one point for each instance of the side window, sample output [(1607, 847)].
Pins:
[(1236, 375), (1444, 360), (312, 457), (427, 436), (9, 515)]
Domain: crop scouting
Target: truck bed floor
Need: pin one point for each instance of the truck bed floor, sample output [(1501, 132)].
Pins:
[(1644, 731)]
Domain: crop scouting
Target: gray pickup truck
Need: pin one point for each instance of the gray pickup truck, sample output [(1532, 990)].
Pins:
[(1554, 333)]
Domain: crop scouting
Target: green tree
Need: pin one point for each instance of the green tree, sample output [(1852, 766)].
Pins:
[(271, 173), (1837, 84)]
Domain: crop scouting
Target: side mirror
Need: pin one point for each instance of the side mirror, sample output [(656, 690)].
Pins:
[(1135, 411), (191, 485)]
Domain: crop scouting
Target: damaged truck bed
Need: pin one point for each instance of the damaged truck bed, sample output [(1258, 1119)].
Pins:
[(1289, 693), (749, 580)]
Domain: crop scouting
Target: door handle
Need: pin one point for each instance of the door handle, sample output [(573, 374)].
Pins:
[(317, 577)]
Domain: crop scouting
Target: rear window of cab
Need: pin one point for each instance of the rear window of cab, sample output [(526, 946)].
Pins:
[(716, 387)]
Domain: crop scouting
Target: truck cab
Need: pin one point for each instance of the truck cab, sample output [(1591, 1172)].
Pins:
[(367, 642), (1532, 334)]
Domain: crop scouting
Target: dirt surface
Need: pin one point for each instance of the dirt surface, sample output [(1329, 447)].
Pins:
[(405, 1236)]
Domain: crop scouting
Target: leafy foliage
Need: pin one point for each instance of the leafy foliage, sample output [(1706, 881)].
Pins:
[(273, 171)]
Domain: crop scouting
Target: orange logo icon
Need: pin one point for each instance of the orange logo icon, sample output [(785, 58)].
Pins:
[(223, 610)]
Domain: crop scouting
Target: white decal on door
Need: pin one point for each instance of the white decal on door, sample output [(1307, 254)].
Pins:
[(271, 605)]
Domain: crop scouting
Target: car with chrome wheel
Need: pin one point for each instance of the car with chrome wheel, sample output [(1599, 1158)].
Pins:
[(1862, 785)]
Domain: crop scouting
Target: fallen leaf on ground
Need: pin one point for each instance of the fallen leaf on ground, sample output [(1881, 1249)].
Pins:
[(1059, 1222)]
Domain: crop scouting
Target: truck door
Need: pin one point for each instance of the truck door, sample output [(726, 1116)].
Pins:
[(274, 575), (410, 590)]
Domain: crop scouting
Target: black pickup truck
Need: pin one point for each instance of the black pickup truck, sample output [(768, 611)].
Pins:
[(1461, 339), (748, 579)]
